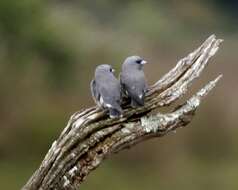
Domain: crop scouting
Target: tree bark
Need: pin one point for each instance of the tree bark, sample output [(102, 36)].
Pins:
[(91, 136)]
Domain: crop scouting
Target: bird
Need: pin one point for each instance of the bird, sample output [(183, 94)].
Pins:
[(106, 90), (132, 79)]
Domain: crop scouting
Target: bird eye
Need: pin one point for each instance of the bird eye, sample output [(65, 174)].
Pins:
[(111, 70), (138, 61)]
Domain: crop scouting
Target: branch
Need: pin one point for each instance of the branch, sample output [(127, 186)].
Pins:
[(90, 136)]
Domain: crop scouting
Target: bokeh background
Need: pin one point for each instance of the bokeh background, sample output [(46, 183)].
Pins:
[(48, 53)]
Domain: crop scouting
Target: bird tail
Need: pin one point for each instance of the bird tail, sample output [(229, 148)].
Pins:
[(115, 112), (137, 102)]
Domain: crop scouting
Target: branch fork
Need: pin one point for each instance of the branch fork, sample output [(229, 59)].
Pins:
[(90, 136)]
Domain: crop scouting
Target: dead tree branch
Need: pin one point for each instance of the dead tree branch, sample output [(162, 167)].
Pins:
[(90, 136)]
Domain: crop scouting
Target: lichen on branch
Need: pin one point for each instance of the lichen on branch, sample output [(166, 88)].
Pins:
[(90, 136)]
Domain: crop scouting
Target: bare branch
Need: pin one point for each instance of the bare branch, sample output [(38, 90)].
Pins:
[(90, 136)]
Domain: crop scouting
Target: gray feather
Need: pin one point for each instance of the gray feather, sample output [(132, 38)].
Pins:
[(106, 90), (133, 81), (94, 93)]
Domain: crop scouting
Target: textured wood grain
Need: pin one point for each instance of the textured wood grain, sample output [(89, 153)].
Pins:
[(91, 136)]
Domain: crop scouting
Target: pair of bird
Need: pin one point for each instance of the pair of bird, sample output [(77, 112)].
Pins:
[(107, 91)]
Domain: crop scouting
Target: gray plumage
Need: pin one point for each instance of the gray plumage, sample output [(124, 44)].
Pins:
[(133, 81), (106, 90)]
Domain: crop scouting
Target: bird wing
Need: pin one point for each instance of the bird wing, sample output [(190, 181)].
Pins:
[(110, 93), (135, 85), (94, 92)]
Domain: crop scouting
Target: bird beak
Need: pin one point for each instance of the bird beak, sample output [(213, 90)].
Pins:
[(143, 62), (113, 70)]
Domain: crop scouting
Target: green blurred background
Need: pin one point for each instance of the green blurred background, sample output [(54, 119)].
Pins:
[(48, 53)]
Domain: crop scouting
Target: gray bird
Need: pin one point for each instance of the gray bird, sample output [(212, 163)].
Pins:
[(133, 81), (106, 90)]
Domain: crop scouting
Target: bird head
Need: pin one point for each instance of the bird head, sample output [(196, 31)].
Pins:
[(134, 62), (102, 69)]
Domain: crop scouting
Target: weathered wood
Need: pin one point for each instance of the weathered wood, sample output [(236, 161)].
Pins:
[(91, 136)]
